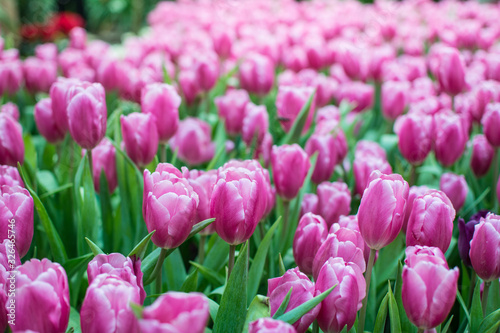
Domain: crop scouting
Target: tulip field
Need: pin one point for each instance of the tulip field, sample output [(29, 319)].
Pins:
[(255, 166)]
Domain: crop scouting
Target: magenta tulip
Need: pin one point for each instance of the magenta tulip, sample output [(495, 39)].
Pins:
[(450, 71), (450, 137), (417, 253), (162, 101), (415, 191), (484, 246), (43, 284), (414, 132), (334, 200), (104, 160), (289, 102), (394, 98), (140, 137), (360, 94), (482, 155), (193, 141), (11, 76), (255, 124), (11, 109), (232, 108), (47, 51), (257, 74), (59, 97), (325, 145), (45, 122), (379, 223), (39, 74), (176, 312), (189, 85), (10, 176), (270, 325), (491, 123), (290, 165), (302, 291), (12, 144), (78, 38), (203, 184), (309, 204), (310, 234), (455, 187)]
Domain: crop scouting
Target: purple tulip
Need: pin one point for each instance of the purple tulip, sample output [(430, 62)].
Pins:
[(431, 221), (414, 132), (289, 102), (257, 74), (417, 253), (12, 144), (290, 165), (10, 176), (339, 308), (455, 187), (232, 108), (334, 200), (16, 212), (176, 312), (310, 234), (482, 155), (45, 122), (106, 307), (450, 137), (162, 101), (43, 284), (325, 145), (394, 98), (415, 191), (270, 325), (491, 123), (302, 291), (193, 141), (465, 233), (39, 74), (140, 137), (484, 254), (10, 109), (382, 208), (255, 124)]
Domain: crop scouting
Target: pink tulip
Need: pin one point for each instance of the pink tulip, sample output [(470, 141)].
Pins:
[(45, 122), (106, 307), (59, 97), (290, 165), (45, 284), (455, 187), (176, 312), (162, 101), (414, 132), (359, 94), (269, 325), (379, 223), (193, 141), (325, 145), (309, 204), (206, 68), (289, 102), (334, 199), (203, 184), (257, 74), (364, 166), (11, 76), (416, 254), (47, 51), (9, 260), (10, 109), (484, 246), (231, 107), (415, 191), (16, 211), (450, 137), (431, 221), (491, 123), (302, 291), (482, 155), (104, 160), (339, 308), (169, 206), (428, 293), (10, 176), (450, 71), (255, 124), (222, 40), (189, 86), (310, 234), (140, 137), (39, 74), (394, 98), (77, 38), (12, 144)]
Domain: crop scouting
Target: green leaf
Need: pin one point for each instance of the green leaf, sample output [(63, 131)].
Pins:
[(96, 250), (212, 276), (381, 316), (54, 240), (148, 264), (110, 230), (175, 271), (295, 314), (447, 326), (281, 265), (464, 307), (393, 312), (295, 132), (281, 310), (190, 283), (213, 308), (74, 321), (140, 249), (493, 297), (259, 260), (166, 77), (200, 226), (490, 323), (30, 151), (77, 265), (476, 310), (233, 306), (136, 309), (259, 308)]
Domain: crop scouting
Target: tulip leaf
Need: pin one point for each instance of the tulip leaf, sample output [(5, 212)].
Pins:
[(233, 306), (55, 242), (259, 260), (281, 310), (447, 325), (296, 313), (393, 311), (166, 77), (136, 309), (140, 249), (200, 226), (217, 253), (74, 321), (76, 265), (110, 230), (464, 307), (295, 132), (259, 308), (212, 276), (476, 310), (381, 316), (175, 271), (213, 308), (148, 264), (493, 297), (96, 250), (490, 323), (281, 265), (191, 282)]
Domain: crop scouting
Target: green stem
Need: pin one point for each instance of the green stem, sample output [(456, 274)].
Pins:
[(286, 214), (473, 278), (495, 180), (413, 175), (230, 264), (261, 230), (158, 267), (420, 330), (163, 153), (486, 291), (368, 275), (89, 152), (315, 327), (201, 249)]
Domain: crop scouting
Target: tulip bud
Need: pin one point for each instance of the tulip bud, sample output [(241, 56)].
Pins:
[(465, 233), (394, 98), (450, 71), (10, 176), (415, 191), (45, 122), (491, 123), (87, 114), (455, 187), (334, 199), (428, 293), (339, 308), (310, 234), (324, 144), (482, 155), (270, 325), (416, 254), (450, 137), (16, 212), (12, 144), (255, 124), (231, 107), (414, 132), (77, 38), (289, 102), (193, 141), (140, 137), (309, 204), (59, 97), (431, 221), (189, 86), (104, 160), (238, 202), (11, 76), (379, 223), (10, 109), (43, 284), (176, 311), (484, 246), (290, 165), (118, 265), (302, 291), (117, 316), (162, 101), (39, 74), (257, 74)]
